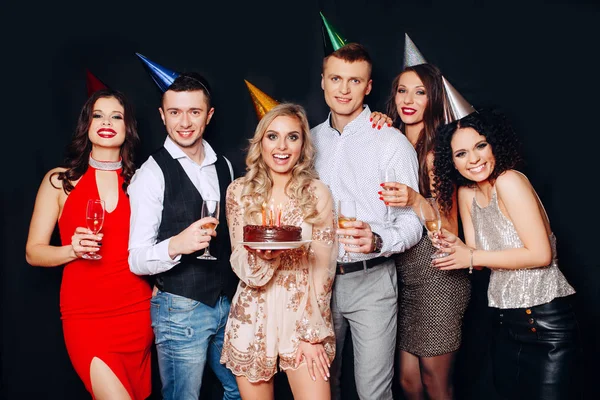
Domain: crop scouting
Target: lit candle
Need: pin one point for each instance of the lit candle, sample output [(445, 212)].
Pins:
[(279, 207), (272, 215), (264, 214)]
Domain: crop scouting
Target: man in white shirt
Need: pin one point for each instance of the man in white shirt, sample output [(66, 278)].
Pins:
[(349, 157), (190, 308)]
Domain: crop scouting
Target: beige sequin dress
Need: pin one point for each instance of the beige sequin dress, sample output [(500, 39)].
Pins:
[(280, 302)]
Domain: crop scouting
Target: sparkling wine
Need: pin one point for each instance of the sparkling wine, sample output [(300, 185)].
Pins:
[(433, 225), (342, 221), (209, 225), (94, 224)]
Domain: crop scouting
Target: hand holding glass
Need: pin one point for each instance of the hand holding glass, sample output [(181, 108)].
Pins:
[(431, 218), (387, 175), (346, 213), (210, 208), (94, 218)]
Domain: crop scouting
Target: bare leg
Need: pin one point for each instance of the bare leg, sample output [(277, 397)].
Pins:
[(410, 376), (436, 374), (105, 384), (255, 391), (304, 388)]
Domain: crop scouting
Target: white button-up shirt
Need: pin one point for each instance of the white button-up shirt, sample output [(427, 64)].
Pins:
[(349, 164), (146, 194)]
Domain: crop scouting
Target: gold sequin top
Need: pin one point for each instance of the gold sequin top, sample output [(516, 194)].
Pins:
[(515, 288)]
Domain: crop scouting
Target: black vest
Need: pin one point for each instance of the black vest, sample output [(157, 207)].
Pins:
[(201, 280)]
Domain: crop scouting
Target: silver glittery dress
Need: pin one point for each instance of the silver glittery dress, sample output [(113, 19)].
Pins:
[(515, 288)]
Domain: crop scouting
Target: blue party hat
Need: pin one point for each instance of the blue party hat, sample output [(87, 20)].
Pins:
[(163, 77)]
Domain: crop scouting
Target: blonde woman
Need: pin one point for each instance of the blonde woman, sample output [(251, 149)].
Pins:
[(280, 313)]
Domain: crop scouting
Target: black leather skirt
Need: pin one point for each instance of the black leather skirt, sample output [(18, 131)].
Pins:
[(535, 351)]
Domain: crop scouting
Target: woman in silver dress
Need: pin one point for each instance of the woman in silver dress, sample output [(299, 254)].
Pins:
[(506, 229)]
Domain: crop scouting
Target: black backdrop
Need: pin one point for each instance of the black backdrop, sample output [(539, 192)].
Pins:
[(536, 61)]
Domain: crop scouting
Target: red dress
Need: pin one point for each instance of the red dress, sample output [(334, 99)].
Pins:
[(105, 308)]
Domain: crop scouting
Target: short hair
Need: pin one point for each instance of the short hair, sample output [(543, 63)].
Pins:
[(351, 52), (190, 82)]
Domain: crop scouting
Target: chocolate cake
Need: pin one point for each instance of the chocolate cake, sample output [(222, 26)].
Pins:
[(284, 233)]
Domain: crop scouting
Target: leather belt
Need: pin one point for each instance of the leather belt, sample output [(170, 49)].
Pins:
[(346, 268)]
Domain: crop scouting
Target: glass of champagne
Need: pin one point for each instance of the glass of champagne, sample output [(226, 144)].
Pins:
[(210, 208), (346, 213), (431, 218), (387, 175), (94, 218)]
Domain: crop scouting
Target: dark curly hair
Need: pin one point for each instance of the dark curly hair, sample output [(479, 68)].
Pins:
[(498, 133), (78, 151), (433, 116)]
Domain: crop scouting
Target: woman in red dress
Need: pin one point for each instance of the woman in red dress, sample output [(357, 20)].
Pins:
[(105, 308)]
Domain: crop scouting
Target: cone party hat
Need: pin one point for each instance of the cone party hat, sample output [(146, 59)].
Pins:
[(456, 106), (163, 77), (262, 101), (412, 55), (332, 40), (93, 84)]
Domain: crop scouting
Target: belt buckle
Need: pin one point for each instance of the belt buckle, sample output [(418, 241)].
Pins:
[(341, 268)]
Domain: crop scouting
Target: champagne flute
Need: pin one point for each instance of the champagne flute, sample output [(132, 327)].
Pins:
[(94, 218), (387, 175), (431, 218), (346, 213), (210, 208)]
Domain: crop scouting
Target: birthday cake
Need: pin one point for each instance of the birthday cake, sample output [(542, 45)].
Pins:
[(283, 233)]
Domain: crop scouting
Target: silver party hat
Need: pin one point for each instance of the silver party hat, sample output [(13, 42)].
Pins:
[(456, 107), (412, 55)]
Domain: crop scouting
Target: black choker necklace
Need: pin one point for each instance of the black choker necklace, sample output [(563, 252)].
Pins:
[(106, 165)]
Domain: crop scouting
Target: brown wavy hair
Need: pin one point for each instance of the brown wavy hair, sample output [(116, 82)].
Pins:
[(258, 183), (433, 116), (77, 153)]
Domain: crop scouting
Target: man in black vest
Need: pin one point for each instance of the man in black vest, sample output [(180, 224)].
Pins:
[(191, 305)]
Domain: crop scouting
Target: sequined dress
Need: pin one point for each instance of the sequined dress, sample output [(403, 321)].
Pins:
[(515, 288), (432, 303), (280, 302)]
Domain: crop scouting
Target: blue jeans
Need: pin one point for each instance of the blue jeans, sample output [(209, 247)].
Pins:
[(189, 333)]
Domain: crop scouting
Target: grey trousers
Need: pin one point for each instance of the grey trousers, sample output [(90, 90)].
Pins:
[(367, 302)]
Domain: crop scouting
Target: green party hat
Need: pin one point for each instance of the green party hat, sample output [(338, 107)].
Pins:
[(332, 40)]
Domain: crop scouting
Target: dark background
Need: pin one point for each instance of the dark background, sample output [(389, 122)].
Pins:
[(536, 60)]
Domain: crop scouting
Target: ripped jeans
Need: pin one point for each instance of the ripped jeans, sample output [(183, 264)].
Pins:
[(189, 334)]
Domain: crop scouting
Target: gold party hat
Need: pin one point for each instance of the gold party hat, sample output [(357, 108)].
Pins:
[(456, 107), (412, 55), (262, 101)]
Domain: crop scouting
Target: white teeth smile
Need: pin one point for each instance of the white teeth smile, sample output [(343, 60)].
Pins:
[(477, 169), (281, 156)]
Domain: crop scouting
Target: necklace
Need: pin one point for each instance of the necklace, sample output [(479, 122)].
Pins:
[(106, 165)]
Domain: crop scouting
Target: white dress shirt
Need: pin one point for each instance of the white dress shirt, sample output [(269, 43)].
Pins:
[(349, 164), (146, 194)]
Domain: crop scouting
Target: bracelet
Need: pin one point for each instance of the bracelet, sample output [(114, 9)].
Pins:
[(471, 262)]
